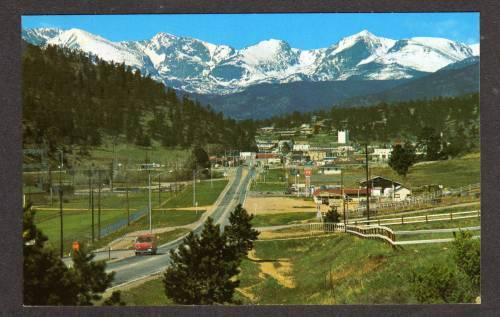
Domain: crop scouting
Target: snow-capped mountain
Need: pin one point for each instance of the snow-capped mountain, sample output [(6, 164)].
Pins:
[(199, 67)]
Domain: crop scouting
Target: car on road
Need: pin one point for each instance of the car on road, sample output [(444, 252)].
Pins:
[(145, 244)]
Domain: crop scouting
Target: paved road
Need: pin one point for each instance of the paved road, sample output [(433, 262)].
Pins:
[(133, 268)]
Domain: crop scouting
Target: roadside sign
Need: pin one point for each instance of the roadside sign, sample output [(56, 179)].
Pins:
[(307, 172)]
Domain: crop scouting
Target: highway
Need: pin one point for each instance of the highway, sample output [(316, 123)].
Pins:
[(137, 267)]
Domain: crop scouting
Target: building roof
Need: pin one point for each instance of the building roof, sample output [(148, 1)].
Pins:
[(378, 180), (337, 192), (266, 155)]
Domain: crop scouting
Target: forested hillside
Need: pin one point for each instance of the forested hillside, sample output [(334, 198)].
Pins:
[(457, 119), (70, 98)]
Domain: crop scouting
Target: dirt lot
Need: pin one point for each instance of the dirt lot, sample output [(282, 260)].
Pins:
[(269, 205)]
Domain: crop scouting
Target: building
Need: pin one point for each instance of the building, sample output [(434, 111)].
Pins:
[(330, 170), (381, 154), (386, 188), (301, 146), (247, 156), (343, 136), (265, 145), (333, 196)]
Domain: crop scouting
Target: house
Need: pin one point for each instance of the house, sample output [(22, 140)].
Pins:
[(381, 154), (330, 170), (247, 156), (305, 129), (343, 136), (268, 158), (265, 145), (332, 196), (386, 188), (266, 130), (301, 146)]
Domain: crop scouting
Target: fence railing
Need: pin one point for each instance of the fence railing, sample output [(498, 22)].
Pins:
[(109, 229), (377, 232), (420, 219), (418, 201)]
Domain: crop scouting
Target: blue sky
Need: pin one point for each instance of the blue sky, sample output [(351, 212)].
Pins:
[(304, 31)]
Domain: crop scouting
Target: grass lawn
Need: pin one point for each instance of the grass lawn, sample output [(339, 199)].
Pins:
[(151, 293), (262, 220), (269, 187), (205, 194), (77, 224), (337, 269), (457, 223), (449, 173)]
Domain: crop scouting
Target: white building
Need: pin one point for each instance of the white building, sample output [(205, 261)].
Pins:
[(381, 154), (343, 136), (304, 147), (247, 155)]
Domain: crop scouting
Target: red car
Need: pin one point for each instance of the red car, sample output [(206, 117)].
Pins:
[(145, 243)]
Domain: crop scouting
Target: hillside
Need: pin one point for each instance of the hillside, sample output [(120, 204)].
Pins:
[(71, 99), (453, 80), (266, 100)]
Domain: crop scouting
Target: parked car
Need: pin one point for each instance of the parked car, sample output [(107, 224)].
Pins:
[(145, 243)]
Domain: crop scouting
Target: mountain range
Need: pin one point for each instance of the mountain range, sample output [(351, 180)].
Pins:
[(267, 78)]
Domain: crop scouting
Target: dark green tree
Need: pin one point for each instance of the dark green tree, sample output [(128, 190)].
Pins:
[(202, 270), (240, 233), (90, 276), (46, 279), (430, 141), (114, 300), (332, 215), (467, 256), (402, 158)]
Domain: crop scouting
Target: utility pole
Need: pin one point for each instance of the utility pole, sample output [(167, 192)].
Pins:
[(99, 205), (149, 200), (194, 187), (126, 195), (343, 198), (367, 189), (61, 203), (159, 191), (92, 202)]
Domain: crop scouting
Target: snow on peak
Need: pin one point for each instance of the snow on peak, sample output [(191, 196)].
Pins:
[(475, 49), (97, 45), (264, 51), (198, 66)]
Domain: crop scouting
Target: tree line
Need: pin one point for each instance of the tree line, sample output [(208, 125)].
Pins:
[(452, 120), (72, 98)]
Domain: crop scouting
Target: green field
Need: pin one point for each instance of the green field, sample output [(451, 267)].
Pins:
[(281, 218), (206, 194), (78, 225), (338, 269), (456, 223), (449, 173)]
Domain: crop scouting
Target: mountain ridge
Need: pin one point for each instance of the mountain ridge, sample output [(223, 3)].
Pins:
[(196, 66)]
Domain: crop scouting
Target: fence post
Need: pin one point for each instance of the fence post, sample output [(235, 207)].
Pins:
[(402, 221), (109, 253), (426, 220), (451, 216)]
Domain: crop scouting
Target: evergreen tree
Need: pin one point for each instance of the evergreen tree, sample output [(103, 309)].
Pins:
[(332, 215), (402, 158), (47, 280), (90, 277), (240, 232), (203, 268)]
